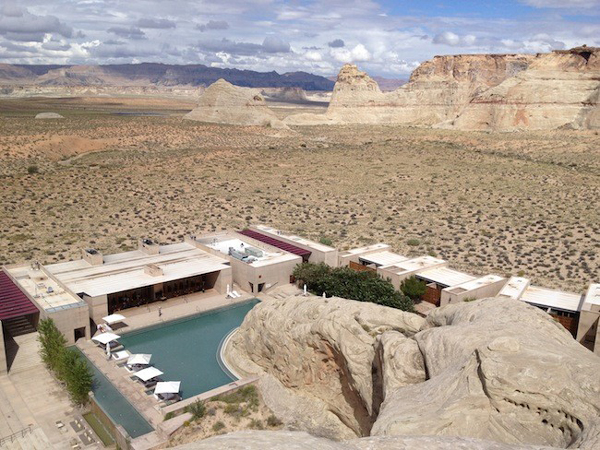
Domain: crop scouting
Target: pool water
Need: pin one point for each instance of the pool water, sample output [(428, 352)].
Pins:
[(186, 350), (115, 405)]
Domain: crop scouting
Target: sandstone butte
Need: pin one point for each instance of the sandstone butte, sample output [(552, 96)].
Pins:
[(476, 92), (224, 103), (489, 374)]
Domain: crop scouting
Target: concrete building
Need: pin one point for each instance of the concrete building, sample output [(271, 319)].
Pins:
[(401, 270), (441, 278), (347, 257), (563, 306), (256, 265), (483, 287), (588, 331), (78, 294), (319, 253)]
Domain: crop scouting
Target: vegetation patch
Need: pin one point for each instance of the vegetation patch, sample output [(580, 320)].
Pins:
[(347, 283), (66, 364)]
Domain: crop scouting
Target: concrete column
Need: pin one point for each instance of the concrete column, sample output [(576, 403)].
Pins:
[(3, 366)]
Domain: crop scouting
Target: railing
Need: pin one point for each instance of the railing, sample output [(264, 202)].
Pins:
[(12, 437)]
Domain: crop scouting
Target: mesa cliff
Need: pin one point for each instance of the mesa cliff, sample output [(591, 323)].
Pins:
[(476, 92), (494, 370)]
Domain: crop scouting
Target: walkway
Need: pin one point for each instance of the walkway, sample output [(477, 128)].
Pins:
[(30, 396)]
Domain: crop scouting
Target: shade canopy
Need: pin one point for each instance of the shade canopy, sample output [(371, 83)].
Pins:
[(167, 387), (139, 358), (113, 318), (105, 338), (148, 373)]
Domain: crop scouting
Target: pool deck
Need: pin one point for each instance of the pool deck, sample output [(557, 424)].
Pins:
[(144, 316)]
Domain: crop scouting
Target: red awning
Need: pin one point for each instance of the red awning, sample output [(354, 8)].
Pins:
[(290, 248), (13, 302)]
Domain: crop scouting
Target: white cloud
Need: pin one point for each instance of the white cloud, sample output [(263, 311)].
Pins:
[(454, 40), (563, 4)]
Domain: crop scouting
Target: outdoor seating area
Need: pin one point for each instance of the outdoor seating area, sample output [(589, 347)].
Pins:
[(138, 365)]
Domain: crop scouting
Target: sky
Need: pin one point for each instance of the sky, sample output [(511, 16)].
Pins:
[(386, 37)]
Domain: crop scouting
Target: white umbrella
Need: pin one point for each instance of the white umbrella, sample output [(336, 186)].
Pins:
[(167, 387), (108, 350), (148, 373), (113, 318), (105, 338), (139, 358)]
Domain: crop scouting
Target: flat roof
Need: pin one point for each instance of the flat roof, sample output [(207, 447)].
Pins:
[(13, 302), (46, 292), (274, 242), (539, 296), (222, 243), (445, 276), (592, 296), (124, 271), (514, 288), (368, 248), (476, 283), (412, 265), (300, 240), (384, 258)]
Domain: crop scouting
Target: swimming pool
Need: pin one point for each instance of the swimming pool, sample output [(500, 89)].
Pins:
[(186, 350), (115, 405)]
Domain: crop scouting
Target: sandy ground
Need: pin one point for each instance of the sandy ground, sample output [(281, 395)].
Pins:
[(519, 203)]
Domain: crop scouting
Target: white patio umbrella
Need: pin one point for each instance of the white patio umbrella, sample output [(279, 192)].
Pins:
[(139, 358), (108, 350), (148, 373), (113, 318), (105, 338), (167, 387)]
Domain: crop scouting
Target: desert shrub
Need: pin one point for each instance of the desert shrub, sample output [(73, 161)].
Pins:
[(196, 409), (232, 408), (347, 283), (326, 241), (256, 424), (413, 242), (169, 415), (218, 426), (66, 364), (33, 169), (413, 287), (243, 394), (470, 299), (273, 421)]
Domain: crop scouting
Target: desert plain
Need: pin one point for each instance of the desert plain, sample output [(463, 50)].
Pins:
[(118, 169)]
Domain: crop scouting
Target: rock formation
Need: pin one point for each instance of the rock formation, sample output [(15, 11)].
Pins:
[(49, 115), (290, 440), (496, 370), (475, 92), (224, 103)]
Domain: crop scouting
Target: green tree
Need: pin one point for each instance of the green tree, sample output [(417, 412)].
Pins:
[(413, 288), (78, 376), (347, 283), (52, 344)]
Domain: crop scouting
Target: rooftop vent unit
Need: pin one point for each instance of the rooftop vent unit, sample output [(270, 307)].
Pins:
[(253, 251), (149, 247), (93, 256)]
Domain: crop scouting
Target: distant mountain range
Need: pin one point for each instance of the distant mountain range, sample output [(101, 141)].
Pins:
[(156, 74)]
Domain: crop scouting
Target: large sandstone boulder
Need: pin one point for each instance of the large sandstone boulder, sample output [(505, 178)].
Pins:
[(48, 115), (322, 352), (289, 440), (495, 369), (224, 103), (475, 92)]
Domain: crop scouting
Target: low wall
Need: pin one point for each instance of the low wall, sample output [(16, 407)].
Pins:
[(179, 407), (121, 436)]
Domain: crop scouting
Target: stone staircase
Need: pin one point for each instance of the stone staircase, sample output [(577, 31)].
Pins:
[(18, 326)]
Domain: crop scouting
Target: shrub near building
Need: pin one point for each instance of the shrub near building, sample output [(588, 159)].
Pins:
[(66, 364), (347, 283)]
